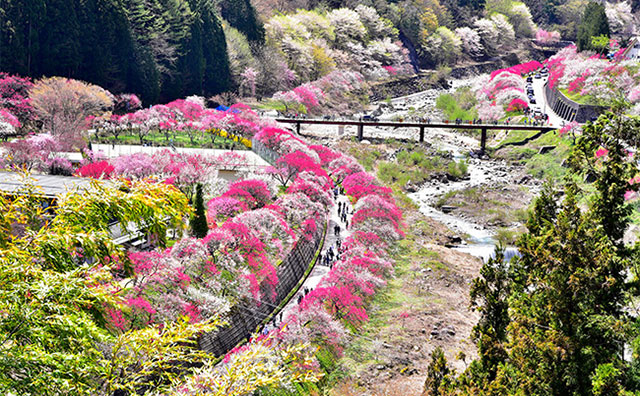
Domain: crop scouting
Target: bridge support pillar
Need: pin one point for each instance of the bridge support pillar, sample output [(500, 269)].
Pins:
[(421, 134), (360, 132), (483, 141), (298, 128)]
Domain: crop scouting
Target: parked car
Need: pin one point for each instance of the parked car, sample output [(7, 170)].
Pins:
[(529, 79), (532, 100), (538, 75)]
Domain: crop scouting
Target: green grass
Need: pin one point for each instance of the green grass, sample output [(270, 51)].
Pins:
[(541, 166), (416, 166), (458, 105), (367, 158), (180, 139)]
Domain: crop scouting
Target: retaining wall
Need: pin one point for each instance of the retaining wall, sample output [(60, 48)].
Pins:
[(569, 109)]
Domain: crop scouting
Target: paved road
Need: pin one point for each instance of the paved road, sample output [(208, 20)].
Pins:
[(538, 91)]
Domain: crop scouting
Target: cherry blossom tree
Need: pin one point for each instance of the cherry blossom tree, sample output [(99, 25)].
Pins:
[(544, 37), (470, 41), (490, 112)]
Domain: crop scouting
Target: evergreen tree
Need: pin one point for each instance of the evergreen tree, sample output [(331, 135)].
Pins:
[(241, 15), (567, 292), (214, 47), (594, 23), (199, 228), (489, 294), (438, 374)]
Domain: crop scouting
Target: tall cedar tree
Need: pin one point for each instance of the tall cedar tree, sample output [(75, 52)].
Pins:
[(594, 23), (199, 227), (159, 49), (241, 15)]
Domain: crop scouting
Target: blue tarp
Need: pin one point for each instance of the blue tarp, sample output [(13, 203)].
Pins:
[(222, 108)]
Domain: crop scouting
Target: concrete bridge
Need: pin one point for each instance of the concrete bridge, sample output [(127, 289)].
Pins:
[(422, 126)]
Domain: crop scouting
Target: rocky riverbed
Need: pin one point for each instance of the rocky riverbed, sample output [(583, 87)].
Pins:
[(496, 183)]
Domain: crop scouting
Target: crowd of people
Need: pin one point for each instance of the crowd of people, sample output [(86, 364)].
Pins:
[(332, 250)]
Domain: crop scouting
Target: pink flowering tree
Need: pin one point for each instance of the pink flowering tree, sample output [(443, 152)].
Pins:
[(248, 252), (316, 192), (185, 171), (343, 166), (249, 78), (325, 154), (269, 226), (31, 153), (138, 166), (490, 112), (544, 37), (298, 210), (96, 170), (254, 193), (221, 208), (126, 103), (14, 97), (288, 166), (9, 123)]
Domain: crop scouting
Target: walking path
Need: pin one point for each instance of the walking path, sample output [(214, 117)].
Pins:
[(337, 231)]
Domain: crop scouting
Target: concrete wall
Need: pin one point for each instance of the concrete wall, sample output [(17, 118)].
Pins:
[(568, 109)]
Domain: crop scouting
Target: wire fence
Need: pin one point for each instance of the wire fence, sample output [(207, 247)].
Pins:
[(245, 317), (263, 151)]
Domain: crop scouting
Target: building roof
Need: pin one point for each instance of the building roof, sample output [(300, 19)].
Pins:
[(49, 185)]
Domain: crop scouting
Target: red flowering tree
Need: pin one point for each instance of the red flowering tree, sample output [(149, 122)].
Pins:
[(96, 170), (289, 165), (517, 105), (14, 97), (340, 302), (254, 193), (326, 154)]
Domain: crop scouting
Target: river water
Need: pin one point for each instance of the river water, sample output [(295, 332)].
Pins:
[(480, 241)]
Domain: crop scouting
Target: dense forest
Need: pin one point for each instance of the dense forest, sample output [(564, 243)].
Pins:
[(161, 49)]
